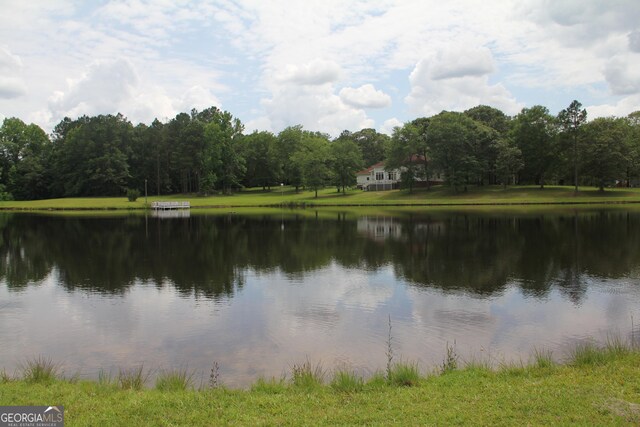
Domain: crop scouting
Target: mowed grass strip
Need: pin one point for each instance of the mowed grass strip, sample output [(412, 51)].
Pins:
[(437, 196), (590, 394)]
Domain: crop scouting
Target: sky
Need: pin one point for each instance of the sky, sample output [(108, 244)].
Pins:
[(327, 65)]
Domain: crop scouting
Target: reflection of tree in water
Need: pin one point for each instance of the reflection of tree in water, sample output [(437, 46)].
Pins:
[(456, 253), (209, 255), (23, 256), (485, 253)]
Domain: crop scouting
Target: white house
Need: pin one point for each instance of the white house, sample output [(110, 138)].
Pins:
[(376, 178)]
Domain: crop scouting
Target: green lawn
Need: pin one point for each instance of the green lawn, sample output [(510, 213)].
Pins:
[(604, 392), (437, 196)]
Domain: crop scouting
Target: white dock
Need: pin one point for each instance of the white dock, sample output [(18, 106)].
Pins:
[(170, 205)]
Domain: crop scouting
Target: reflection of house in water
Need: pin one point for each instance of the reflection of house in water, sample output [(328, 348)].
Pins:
[(382, 227), (379, 227), (171, 213)]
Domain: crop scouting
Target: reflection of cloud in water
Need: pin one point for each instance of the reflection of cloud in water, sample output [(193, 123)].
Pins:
[(321, 317), (326, 307), (464, 318), (513, 325), (336, 317)]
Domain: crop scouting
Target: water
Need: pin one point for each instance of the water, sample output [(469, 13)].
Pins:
[(258, 293)]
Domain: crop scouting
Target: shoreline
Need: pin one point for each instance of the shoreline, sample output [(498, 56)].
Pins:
[(441, 196), (306, 205), (596, 385)]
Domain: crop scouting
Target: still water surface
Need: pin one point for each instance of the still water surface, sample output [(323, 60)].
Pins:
[(258, 293)]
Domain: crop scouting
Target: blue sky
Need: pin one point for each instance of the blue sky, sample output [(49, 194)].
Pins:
[(328, 65)]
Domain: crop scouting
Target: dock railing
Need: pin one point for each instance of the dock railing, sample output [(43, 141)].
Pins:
[(170, 205)]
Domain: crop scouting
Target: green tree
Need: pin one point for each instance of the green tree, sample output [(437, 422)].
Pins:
[(91, 156), (347, 160), (421, 156), (186, 143), (632, 161), (486, 148), (312, 159), (25, 151), (491, 117), (371, 143), (605, 149), (402, 154), (508, 161), (534, 132), (288, 143), (222, 161), (257, 150), (454, 138), (571, 119), (156, 137)]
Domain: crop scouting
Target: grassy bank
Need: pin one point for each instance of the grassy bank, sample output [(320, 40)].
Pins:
[(437, 196), (596, 386)]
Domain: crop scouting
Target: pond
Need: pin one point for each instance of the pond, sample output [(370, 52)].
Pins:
[(257, 293)]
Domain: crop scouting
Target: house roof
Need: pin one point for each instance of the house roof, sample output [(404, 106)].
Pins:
[(415, 158), (368, 170)]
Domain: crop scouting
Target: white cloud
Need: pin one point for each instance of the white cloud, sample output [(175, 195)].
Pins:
[(461, 61), (11, 84), (621, 108), (197, 97), (8, 61), (156, 20), (109, 87), (11, 87), (634, 41), (464, 86), (388, 125), (366, 96), (459, 54), (258, 124), (579, 23), (317, 108), (316, 72), (102, 89), (623, 74)]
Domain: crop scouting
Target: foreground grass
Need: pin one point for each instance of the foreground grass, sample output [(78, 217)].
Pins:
[(437, 196), (602, 391)]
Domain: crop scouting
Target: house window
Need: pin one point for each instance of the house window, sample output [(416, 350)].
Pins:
[(392, 176), (379, 176)]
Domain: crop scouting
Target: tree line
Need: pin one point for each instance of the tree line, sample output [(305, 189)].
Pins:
[(498, 251), (207, 151)]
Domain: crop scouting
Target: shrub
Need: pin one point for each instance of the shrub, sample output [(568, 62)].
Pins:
[(174, 380), (133, 379), (347, 381), (105, 379), (133, 194), (5, 196), (404, 374), (543, 359), (4, 377), (306, 376), (587, 354), (270, 386), (450, 362), (40, 370), (616, 346), (377, 380)]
